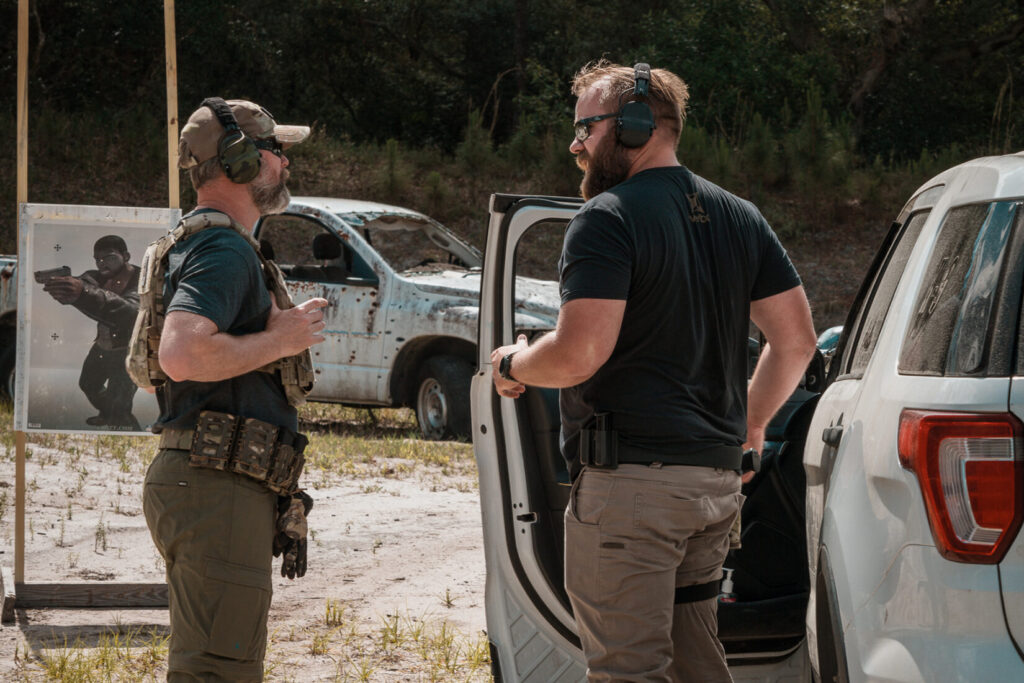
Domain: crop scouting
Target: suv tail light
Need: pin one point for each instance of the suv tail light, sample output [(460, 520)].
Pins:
[(971, 470)]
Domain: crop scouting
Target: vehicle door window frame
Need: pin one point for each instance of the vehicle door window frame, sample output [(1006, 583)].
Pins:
[(849, 342), (354, 263)]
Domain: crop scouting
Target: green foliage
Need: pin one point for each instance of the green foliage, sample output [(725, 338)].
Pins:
[(395, 176), (474, 153), (374, 70)]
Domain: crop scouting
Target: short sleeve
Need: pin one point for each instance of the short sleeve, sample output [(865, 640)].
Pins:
[(776, 273), (213, 280), (597, 258)]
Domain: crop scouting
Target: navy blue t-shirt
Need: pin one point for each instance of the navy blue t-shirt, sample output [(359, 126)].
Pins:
[(216, 273), (688, 258)]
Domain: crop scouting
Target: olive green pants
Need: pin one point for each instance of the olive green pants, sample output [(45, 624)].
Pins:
[(632, 536), (214, 531)]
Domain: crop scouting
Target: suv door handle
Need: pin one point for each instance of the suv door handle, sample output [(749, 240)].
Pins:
[(832, 435)]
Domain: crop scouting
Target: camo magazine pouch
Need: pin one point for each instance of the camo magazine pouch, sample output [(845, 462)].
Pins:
[(213, 441), (254, 455)]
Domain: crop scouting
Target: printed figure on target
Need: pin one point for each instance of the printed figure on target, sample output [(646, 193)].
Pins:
[(109, 296)]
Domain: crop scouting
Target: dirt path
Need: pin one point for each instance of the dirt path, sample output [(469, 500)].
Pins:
[(394, 590)]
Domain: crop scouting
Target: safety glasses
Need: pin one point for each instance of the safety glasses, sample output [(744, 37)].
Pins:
[(269, 144), (583, 125)]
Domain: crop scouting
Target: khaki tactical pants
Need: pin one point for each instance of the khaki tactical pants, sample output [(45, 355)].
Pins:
[(214, 530), (633, 535)]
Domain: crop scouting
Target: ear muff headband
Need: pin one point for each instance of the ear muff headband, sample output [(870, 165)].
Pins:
[(238, 154), (635, 123)]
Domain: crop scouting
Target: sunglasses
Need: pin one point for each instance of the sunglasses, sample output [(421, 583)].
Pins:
[(269, 144), (583, 125)]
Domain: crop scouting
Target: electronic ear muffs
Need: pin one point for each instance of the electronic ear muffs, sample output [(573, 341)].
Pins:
[(635, 123), (238, 154)]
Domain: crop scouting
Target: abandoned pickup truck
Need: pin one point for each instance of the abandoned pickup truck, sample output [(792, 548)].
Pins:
[(404, 300)]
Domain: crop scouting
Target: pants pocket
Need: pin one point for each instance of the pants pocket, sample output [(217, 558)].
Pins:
[(589, 497), (238, 629), (582, 560)]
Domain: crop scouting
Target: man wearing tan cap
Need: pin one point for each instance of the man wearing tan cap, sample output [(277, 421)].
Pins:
[(231, 363)]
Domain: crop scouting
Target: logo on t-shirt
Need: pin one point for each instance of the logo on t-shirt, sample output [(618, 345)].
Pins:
[(697, 212)]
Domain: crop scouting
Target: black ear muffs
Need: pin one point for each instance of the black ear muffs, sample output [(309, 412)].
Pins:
[(635, 123), (238, 154)]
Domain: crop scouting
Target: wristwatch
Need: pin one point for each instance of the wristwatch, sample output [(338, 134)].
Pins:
[(505, 367)]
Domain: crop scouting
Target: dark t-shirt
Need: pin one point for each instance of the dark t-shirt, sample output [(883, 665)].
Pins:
[(688, 258), (215, 273)]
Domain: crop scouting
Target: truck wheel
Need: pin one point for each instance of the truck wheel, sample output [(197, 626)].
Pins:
[(442, 399), (8, 356)]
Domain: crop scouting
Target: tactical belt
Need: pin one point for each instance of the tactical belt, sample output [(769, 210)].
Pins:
[(725, 457), (257, 449)]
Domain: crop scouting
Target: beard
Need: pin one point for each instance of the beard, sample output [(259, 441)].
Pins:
[(270, 197), (606, 168)]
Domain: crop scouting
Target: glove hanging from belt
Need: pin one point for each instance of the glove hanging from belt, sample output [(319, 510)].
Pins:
[(290, 538)]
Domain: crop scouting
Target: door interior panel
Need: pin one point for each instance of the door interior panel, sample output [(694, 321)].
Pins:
[(548, 479)]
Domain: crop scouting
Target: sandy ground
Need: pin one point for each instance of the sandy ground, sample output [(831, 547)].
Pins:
[(381, 548)]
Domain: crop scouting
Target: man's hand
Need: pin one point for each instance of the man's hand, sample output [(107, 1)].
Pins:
[(298, 328), (291, 533), (504, 387), (66, 290), (755, 440)]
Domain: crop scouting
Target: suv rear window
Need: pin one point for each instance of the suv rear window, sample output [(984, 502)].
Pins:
[(881, 299), (960, 299)]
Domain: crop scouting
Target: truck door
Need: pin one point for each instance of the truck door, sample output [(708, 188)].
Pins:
[(522, 474)]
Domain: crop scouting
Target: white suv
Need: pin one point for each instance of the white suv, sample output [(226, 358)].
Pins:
[(914, 458)]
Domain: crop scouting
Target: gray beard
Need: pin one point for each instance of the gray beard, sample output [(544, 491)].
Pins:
[(270, 198)]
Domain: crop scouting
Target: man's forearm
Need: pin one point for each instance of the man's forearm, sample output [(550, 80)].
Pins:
[(221, 356), (549, 362), (776, 376), (104, 306)]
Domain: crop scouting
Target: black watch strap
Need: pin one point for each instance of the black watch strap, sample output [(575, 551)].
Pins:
[(505, 367)]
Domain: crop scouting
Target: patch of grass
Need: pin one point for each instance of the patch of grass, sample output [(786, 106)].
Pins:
[(353, 442), (334, 614), (118, 655)]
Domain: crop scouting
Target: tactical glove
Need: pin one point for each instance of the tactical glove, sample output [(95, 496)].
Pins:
[(291, 532)]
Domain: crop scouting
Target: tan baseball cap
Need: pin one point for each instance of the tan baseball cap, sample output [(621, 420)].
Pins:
[(203, 131)]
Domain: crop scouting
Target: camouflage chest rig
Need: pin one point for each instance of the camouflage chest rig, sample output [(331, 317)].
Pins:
[(143, 363)]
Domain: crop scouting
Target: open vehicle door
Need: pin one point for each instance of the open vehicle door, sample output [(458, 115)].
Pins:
[(524, 488)]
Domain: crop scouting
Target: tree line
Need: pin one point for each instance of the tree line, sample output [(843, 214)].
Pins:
[(902, 74)]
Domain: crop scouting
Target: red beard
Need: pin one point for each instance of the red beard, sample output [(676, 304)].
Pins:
[(606, 168)]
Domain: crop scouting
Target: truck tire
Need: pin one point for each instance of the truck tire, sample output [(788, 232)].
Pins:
[(442, 398), (8, 356)]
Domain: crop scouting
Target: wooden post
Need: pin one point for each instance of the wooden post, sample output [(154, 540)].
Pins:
[(22, 173), (100, 595), (170, 48)]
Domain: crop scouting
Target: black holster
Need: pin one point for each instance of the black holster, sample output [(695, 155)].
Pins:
[(599, 443)]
